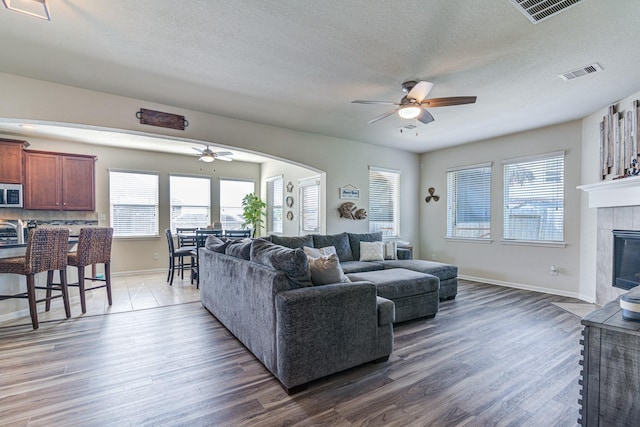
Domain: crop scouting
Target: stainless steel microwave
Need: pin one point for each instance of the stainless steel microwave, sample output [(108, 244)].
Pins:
[(11, 196)]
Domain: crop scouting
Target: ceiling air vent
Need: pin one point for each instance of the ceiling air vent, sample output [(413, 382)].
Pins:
[(539, 10), (579, 72)]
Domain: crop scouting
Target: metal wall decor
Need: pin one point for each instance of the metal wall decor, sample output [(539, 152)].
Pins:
[(349, 210), (158, 118), (289, 201), (431, 195), (289, 187), (290, 215)]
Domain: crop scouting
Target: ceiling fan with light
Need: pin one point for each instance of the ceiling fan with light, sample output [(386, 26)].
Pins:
[(209, 156), (413, 104)]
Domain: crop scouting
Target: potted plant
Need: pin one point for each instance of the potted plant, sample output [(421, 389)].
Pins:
[(253, 211)]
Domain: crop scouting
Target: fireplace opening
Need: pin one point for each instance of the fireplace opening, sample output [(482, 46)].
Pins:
[(626, 259)]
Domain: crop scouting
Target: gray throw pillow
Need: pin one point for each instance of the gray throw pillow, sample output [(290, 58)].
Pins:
[(293, 262), (239, 249), (216, 244), (338, 241), (292, 242), (326, 270), (355, 239)]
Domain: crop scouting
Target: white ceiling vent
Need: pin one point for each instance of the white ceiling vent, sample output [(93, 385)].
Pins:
[(579, 72), (539, 10)]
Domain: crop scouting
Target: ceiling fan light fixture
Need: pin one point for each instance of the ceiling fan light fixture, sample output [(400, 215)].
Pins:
[(207, 158), (409, 112)]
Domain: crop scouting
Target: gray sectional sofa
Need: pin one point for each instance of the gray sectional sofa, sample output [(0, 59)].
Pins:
[(261, 291)]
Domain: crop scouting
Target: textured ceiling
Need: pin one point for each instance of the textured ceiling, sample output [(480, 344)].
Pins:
[(298, 64)]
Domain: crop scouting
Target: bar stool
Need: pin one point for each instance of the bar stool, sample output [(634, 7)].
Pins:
[(178, 254), (46, 251), (94, 247)]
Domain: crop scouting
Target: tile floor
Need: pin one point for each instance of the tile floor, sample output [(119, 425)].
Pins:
[(130, 292)]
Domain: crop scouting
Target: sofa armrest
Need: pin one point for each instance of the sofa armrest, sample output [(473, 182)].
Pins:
[(404, 253), (325, 329)]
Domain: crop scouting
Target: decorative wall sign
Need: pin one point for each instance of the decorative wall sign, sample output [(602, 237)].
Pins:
[(349, 192), (289, 187), (431, 195), (158, 118), (289, 201), (620, 142), (349, 210)]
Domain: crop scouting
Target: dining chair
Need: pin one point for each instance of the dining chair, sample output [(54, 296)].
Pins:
[(201, 238), (186, 236), (176, 258), (94, 247), (46, 250), (237, 234)]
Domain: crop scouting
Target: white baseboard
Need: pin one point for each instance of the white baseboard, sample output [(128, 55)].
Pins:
[(525, 287)]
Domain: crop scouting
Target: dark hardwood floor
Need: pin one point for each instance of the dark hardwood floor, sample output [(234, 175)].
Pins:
[(494, 356)]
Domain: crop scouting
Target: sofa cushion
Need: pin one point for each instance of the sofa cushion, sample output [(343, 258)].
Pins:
[(293, 242), (338, 241), (358, 266), (438, 269), (239, 248), (216, 244), (390, 250), (325, 270), (318, 252), (293, 262), (371, 251), (398, 283), (355, 239)]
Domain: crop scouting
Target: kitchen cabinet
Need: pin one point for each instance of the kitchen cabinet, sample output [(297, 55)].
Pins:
[(11, 161), (58, 181)]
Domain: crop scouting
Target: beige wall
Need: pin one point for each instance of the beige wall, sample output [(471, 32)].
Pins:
[(518, 266)]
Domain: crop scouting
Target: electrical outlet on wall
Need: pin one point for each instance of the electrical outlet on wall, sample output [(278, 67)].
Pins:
[(553, 270), (156, 256)]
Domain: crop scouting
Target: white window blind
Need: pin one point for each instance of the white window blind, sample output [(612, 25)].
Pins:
[(232, 191), (133, 199), (190, 200), (275, 196), (469, 202), (309, 196), (384, 201), (534, 198)]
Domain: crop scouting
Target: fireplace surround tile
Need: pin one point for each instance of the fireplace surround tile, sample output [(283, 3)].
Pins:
[(623, 218)]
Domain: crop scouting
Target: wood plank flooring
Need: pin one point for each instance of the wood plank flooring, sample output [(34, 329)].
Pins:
[(493, 356)]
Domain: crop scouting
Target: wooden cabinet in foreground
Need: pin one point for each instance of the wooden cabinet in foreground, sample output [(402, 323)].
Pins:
[(11, 161), (56, 181)]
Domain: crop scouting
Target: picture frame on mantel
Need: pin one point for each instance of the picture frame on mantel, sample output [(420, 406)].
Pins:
[(349, 192)]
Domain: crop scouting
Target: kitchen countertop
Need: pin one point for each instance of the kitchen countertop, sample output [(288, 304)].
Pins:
[(10, 250)]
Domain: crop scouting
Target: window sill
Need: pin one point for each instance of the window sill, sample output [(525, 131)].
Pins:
[(136, 237), (534, 243), (469, 240)]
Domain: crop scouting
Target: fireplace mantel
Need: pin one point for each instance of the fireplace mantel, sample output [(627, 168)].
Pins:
[(619, 192)]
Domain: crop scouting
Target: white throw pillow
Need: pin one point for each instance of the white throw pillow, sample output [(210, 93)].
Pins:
[(371, 251), (326, 270), (390, 250), (318, 252)]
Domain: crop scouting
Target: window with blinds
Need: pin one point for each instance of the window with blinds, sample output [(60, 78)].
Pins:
[(534, 198), (309, 196), (275, 197), (133, 200), (190, 201), (469, 202), (384, 201), (232, 191)]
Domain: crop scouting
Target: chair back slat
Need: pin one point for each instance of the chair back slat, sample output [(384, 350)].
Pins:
[(47, 249), (94, 245)]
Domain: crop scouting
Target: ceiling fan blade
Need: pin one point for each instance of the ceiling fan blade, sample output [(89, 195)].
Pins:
[(199, 150), (359, 101), (420, 91), (382, 116), (223, 153), (226, 159), (425, 117), (447, 102)]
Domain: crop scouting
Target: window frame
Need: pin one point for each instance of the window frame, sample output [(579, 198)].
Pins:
[(454, 230), (303, 185), (557, 191), (274, 208), (132, 186), (237, 210), (172, 225), (376, 207)]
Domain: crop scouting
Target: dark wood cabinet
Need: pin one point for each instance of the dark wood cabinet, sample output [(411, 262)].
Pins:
[(11, 161), (55, 181), (610, 369)]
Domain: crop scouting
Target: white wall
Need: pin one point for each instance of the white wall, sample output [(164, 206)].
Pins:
[(343, 161), (518, 266), (590, 174)]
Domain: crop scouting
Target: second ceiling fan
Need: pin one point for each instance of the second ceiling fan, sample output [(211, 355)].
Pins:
[(208, 156), (414, 103)]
